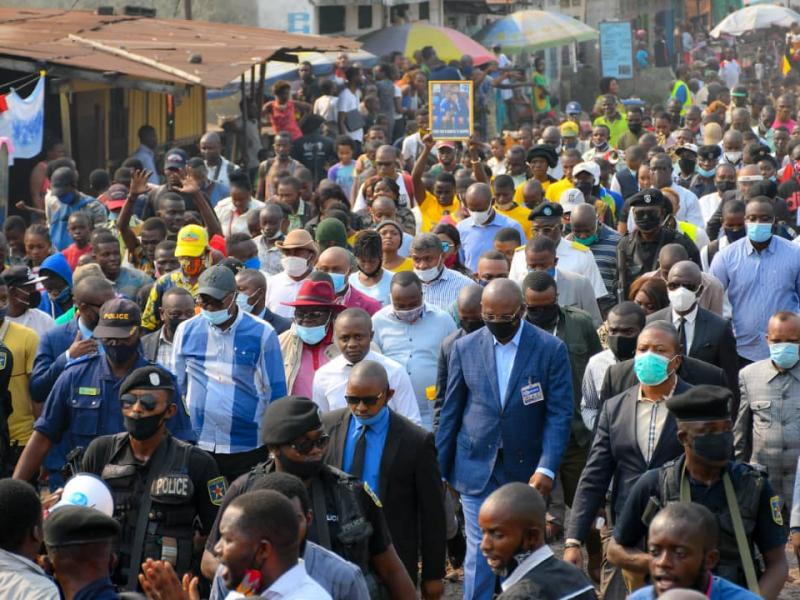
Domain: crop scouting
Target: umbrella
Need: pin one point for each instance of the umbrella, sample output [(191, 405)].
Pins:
[(760, 16), (528, 30), (449, 43)]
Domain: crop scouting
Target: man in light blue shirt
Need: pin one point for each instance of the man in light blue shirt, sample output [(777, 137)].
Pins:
[(761, 274), (478, 230), (229, 362), (145, 153), (410, 331), (440, 285)]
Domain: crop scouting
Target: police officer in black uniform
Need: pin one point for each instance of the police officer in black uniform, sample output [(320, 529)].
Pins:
[(637, 251), (8, 454), (746, 507), (165, 490), (347, 514)]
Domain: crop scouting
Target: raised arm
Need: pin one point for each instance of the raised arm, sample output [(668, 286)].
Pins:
[(420, 168), (138, 187)]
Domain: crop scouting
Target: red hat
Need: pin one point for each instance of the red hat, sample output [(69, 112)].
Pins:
[(316, 293), (115, 196)]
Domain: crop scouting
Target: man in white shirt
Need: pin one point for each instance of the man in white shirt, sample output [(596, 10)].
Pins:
[(353, 335), (23, 298), (299, 257), (219, 168), (347, 104)]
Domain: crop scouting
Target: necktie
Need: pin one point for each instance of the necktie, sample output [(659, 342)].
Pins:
[(682, 334), (357, 466)]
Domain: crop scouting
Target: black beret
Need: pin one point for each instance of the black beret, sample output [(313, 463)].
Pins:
[(150, 377), (71, 525), (547, 210), (543, 151), (651, 197), (709, 151), (287, 419), (702, 403)]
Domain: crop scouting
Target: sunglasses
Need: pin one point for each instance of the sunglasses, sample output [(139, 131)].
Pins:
[(148, 401), (367, 400), (305, 446), (689, 286)]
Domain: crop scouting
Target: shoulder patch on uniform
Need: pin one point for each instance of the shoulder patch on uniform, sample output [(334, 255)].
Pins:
[(216, 490), (2, 360), (775, 507), (372, 495), (579, 246)]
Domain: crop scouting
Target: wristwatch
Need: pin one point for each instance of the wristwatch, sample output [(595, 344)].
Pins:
[(572, 543)]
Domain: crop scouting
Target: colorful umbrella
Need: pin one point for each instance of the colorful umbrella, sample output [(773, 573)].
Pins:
[(448, 43), (760, 16), (528, 30)]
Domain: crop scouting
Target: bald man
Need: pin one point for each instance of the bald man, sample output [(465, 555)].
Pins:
[(397, 460), (219, 167), (353, 336), (337, 262), (512, 522), (509, 394), (712, 296), (532, 193)]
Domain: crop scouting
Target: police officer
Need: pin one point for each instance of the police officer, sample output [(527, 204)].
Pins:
[(637, 251), (84, 401), (704, 181), (348, 516), (739, 494), (164, 489), (8, 455)]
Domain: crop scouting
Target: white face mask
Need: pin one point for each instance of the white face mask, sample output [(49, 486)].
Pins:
[(428, 275), (734, 156), (480, 218), (295, 266), (682, 299)]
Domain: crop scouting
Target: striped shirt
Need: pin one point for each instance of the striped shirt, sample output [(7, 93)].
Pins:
[(443, 291), (604, 251), (592, 384), (759, 284), (230, 376)]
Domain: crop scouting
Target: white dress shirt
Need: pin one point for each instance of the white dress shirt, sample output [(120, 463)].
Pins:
[(688, 327), (330, 383), (294, 584), (232, 221), (709, 205), (282, 288)]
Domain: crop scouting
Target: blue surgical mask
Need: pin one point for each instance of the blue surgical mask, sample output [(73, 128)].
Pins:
[(252, 263), (370, 421), (706, 173), (311, 335), (216, 317), (651, 368), (759, 232), (339, 282), (243, 302), (551, 271), (784, 354)]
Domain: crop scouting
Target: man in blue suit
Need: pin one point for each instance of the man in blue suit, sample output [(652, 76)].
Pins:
[(506, 414)]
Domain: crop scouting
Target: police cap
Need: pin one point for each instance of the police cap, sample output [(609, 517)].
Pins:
[(547, 210), (288, 418), (151, 377), (651, 197), (709, 152), (72, 525), (702, 403)]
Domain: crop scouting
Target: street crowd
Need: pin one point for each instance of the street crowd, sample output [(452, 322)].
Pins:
[(361, 358)]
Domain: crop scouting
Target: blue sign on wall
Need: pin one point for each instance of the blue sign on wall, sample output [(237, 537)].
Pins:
[(616, 49)]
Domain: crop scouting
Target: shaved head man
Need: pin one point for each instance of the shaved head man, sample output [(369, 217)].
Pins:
[(492, 265), (532, 193), (337, 262)]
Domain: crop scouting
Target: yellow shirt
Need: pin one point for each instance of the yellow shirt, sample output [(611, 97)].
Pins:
[(432, 212), (406, 265), (519, 196), (520, 214), (22, 341), (554, 191)]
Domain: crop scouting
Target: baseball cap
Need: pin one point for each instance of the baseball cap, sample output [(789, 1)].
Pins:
[(115, 196), (62, 181), (445, 144), (175, 159), (119, 319), (569, 129), (192, 241), (590, 167), (688, 147), (570, 199), (573, 108), (21, 276), (87, 490), (217, 282)]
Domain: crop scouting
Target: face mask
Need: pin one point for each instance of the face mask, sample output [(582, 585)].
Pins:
[(61, 297), (216, 317), (370, 421), (428, 275), (304, 469), (686, 165), (682, 299), (602, 147), (544, 318), (784, 354), (623, 347), (706, 172), (295, 266), (759, 232), (120, 354), (143, 428), (191, 266), (372, 273), (552, 272), (714, 447), (252, 263), (243, 302), (311, 335), (647, 221), (450, 260), (651, 368), (339, 282), (172, 326), (586, 241), (480, 217), (733, 157), (32, 299), (585, 188), (470, 325), (68, 198), (409, 316), (635, 128), (734, 234), (503, 331), (725, 186)]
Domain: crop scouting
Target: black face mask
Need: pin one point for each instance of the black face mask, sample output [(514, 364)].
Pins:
[(120, 354), (544, 317), (687, 165), (646, 222), (143, 428), (714, 447), (623, 347), (172, 326), (470, 325), (725, 186), (503, 331), (635, 128), (304, 469), (372, 273), (734, 234), (585, 188)]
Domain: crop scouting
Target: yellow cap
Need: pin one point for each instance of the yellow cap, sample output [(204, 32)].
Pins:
[(192, 241), (569, 129)]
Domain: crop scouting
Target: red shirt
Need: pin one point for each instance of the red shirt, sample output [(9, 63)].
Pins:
[(72, 253), (355, 299)]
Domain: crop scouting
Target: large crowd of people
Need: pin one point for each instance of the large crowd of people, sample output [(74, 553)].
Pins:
[(369, 358)]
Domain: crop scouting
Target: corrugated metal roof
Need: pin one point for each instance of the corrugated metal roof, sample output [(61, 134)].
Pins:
[(156, 49)]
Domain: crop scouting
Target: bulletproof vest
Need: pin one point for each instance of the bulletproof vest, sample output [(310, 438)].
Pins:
[(748, 485), (170, 524), (627, 183)]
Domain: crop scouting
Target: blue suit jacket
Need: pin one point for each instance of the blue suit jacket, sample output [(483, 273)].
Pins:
[(50, 359), (474, 425)]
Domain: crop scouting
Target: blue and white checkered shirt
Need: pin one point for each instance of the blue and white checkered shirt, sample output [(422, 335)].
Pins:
[(443, 291), (230, 376)]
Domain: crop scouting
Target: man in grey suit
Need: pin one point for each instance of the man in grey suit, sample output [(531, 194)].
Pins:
[(573, 289)]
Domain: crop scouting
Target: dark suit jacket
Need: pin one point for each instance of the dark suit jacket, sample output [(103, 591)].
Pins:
[(713, 342), (441, 373), (410, 490), (150, 345), (615, 454)]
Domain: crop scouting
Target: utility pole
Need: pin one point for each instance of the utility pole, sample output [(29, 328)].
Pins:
[(187, 10)]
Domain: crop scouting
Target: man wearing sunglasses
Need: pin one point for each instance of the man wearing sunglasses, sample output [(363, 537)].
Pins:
[(164, 489), (292, 431)]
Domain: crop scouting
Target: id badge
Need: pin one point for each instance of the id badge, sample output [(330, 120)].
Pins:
[(532, 393)]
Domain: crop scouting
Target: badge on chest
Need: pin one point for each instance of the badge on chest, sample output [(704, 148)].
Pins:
[(174, 487), (532, 393)]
